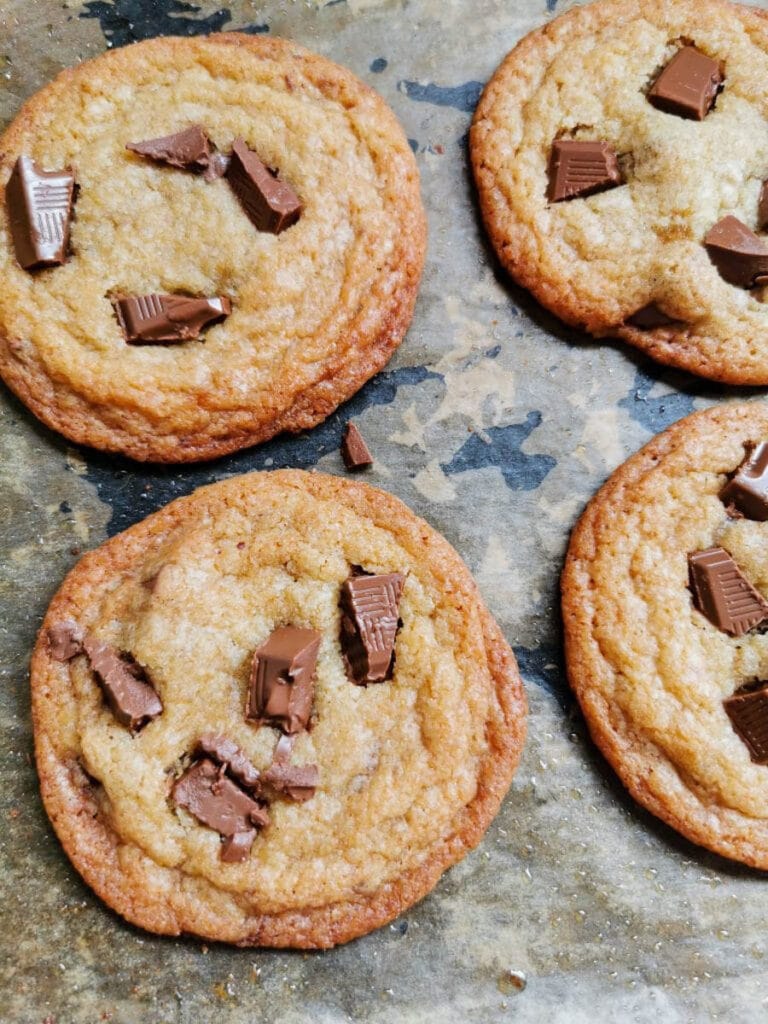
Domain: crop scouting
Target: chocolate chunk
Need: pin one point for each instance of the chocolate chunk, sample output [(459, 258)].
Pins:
[(270, 204), (164, 319), (762, 208), (369, 622), (40, 210), (298, 782), (748, 712), (232, 758), (282, 680), (235, 849), (723, 594), (738, 253), (688, 85), (65, 640), (125, 683), (219, 803), (747, 492), (650, 317), (354, 450), (191, 150), (581, 168)]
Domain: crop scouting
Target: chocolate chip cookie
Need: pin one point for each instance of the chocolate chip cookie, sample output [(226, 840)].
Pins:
[(621, 155), (666, 627), (272, 713), (203, 242)]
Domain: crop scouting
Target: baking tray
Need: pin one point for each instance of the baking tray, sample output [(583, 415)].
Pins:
[(496, 424)]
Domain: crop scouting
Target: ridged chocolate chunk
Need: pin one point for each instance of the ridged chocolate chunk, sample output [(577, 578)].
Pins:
[(282, 682), (234, 760), (39, 210), (65, 640), (738, 253), (747, 492), (722, 593), (354, 450), (369, 622), (191, 150), (216, 801), (271, 204), (581, 168), (748, 713), (125, 683), (167, 319), (688, 85), (649, 317)]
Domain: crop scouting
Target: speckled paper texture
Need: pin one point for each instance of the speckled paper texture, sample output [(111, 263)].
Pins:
[(496, 424)]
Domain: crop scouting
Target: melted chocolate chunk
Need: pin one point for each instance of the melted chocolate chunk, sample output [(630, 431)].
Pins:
[(269, 203), (191, 150), (39, 207), (650, 317), (747, 492), (235, 849), (231, 758), (688, 85), (369, 623), (748, 712), (762, 208), (722, 593), (125, 683), (216, 801), (65, 640), (354, 450), (298, 782), (578, 169), (282, 680), (165, 319), (738, 253)]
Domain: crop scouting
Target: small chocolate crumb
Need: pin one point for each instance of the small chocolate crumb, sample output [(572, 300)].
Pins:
[(578, 169), (354, 450), (282, 680), (688, 85), (738, 253), (762, 208), (747, 492), (270, 204), (39, 207), (166, 319), (723, 594), (369, 623)]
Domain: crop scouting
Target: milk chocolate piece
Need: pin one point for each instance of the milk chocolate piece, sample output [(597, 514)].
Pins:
[(216, 801), (738, 253), (762, 208), (369, 621), (234, 760), (748, 712), (270, 204), (191, 150), (747, 492), (298, 782), (39, 210), (354, 450), (722, 593), (65, 640), (282, 680), (579, 169), (650, 317), (165, 319), (125, 683), (688, 85)]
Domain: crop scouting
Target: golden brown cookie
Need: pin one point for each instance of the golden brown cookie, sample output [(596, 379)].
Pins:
[(612, 240), (665, 627), (408, 772), (316, 309)]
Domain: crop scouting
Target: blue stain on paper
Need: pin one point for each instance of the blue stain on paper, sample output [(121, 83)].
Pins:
[(128, 21), (378, 65), (133, 492), (521, 472), (544, 665), (654, 414), (461, 97)]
